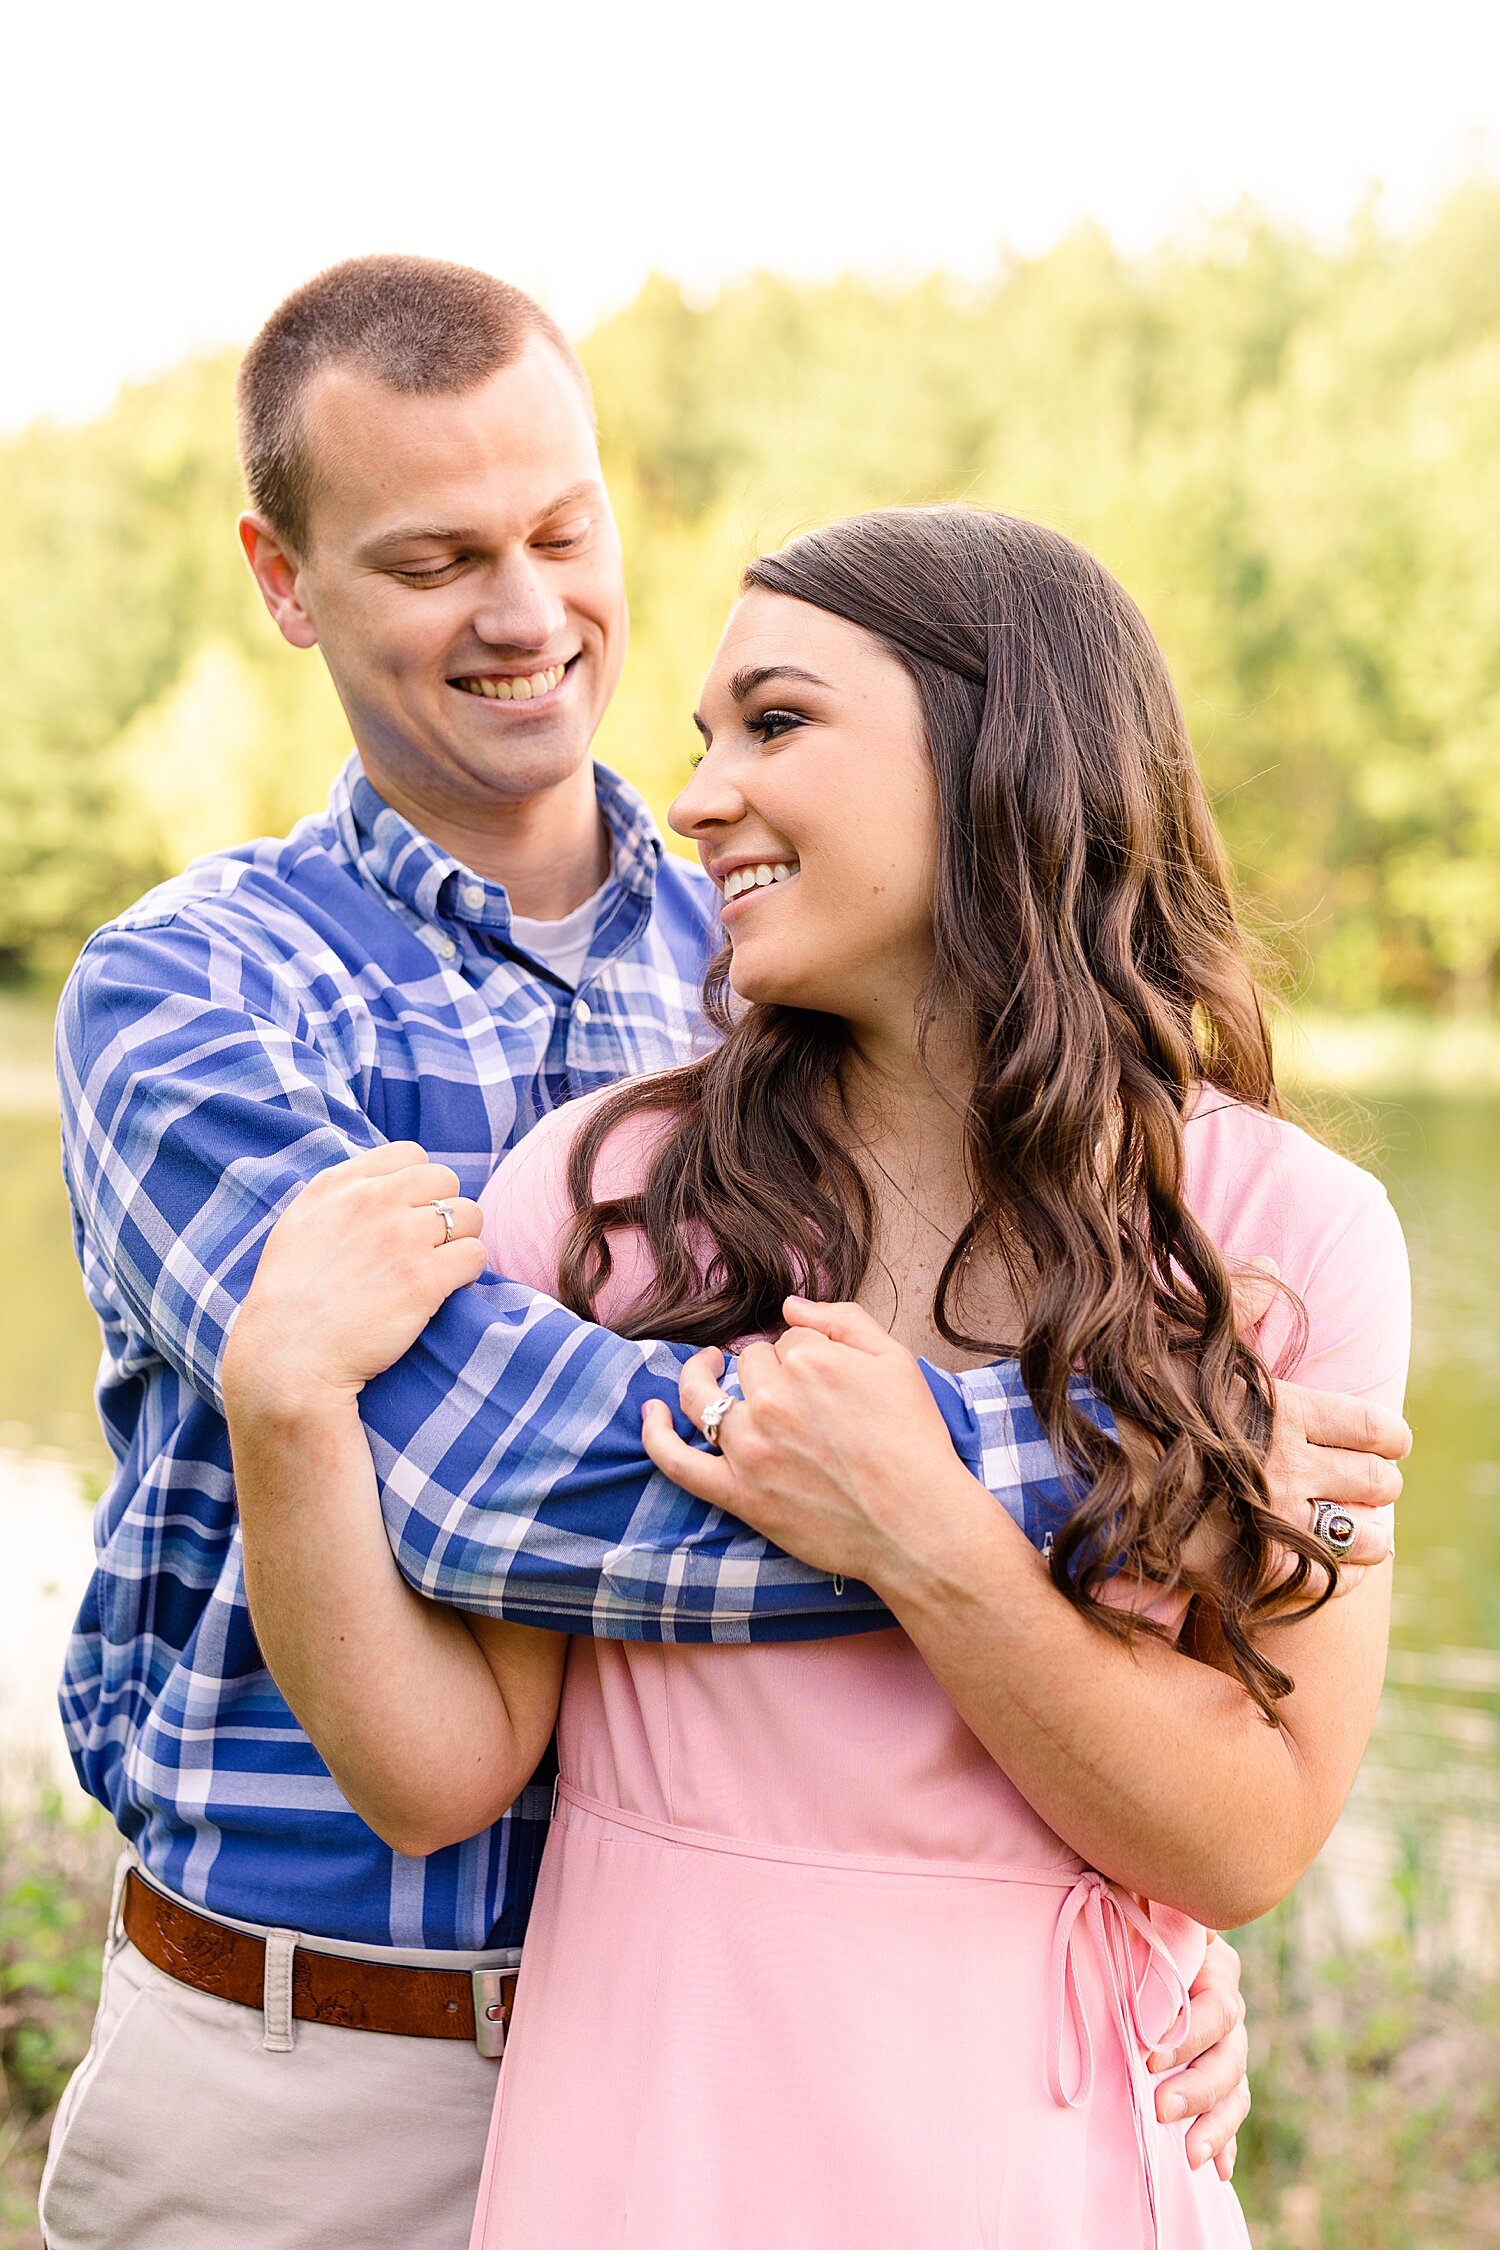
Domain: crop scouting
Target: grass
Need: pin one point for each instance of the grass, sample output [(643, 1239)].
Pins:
[(1376, 2123)]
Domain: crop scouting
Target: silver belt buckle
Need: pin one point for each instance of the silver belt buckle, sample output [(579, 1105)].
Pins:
[(491, 2008)]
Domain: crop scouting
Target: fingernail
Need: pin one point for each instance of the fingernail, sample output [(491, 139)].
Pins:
[(792, 1298), (1163, 2058), (1198, 2154), (1173, 2107)]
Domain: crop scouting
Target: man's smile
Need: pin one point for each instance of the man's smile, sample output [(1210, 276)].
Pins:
[(514, 687)]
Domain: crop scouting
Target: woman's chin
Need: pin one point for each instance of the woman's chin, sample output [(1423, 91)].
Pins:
[(780, 984), (762, 986)]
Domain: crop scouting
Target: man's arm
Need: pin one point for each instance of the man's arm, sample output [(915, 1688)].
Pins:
[(197, 1102)]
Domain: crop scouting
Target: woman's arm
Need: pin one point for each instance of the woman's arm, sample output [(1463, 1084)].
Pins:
[(430, 1722), (1153, 1764)]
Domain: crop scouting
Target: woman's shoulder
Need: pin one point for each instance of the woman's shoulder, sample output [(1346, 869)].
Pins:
[(1243, 1158), (526, 1203), (548, 1147), (1264, 1187)]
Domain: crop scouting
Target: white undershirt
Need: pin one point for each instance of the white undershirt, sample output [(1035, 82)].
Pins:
[(563, 945)]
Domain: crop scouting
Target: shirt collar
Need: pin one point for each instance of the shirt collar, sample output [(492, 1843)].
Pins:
[(396, 857)]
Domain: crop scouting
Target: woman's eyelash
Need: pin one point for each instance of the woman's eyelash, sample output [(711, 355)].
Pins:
[(774, 722), (768, 726)]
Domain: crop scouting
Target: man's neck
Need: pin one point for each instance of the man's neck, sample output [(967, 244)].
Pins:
[(551, 851)]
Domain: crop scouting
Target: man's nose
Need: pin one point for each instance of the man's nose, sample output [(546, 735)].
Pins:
[(518, 608)]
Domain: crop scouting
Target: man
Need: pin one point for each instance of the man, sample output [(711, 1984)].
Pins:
[(295, 2036)]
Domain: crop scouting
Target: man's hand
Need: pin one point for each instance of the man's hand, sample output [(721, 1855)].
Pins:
[(351, 1274), (1210, 2085), (834, 1453), (1327, 1446)]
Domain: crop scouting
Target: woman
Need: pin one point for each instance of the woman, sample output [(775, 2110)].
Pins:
[(851, 1942)]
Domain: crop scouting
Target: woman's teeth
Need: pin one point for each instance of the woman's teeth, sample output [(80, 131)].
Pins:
[(756, 878), (517, 688)]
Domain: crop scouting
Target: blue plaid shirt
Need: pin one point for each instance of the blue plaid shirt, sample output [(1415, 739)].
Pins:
[(271, 1012)]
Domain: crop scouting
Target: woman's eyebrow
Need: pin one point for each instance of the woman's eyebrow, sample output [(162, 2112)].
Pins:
[(751, 676), (745, 682)]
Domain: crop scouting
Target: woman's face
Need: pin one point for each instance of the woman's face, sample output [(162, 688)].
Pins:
[(814, 808)]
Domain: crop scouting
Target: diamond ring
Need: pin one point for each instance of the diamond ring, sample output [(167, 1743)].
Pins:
[(713, 1415)]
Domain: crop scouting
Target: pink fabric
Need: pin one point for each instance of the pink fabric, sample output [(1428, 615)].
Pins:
[(805, 1970)]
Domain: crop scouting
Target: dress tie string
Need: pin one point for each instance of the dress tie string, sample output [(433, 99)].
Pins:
[(1097, 1909)]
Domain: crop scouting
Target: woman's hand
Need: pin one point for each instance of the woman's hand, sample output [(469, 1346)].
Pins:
[(836, 1451), (351, 1274)]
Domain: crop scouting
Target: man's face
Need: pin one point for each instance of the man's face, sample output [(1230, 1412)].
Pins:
[(463, 580)]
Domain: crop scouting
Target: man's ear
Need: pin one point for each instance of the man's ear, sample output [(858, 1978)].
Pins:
[(278, 575)]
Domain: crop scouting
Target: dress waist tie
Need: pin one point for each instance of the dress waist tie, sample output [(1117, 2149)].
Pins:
[(1108, 1916)]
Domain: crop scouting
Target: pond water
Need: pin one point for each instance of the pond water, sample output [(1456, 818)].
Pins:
[(1425, 1819)]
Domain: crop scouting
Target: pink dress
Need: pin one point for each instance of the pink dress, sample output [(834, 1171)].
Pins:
[(804, 1970)]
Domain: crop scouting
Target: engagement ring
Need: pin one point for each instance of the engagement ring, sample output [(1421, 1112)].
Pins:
[(713, 1415), (445, 1213)]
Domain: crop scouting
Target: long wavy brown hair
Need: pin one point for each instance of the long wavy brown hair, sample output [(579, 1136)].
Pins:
[(1086, 937)]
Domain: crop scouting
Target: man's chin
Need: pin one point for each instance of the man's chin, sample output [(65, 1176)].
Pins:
[(455, 771)]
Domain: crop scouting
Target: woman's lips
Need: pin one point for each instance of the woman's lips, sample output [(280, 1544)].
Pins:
[(732, 908)]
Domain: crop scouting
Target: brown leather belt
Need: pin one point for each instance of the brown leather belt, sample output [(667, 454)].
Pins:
[(326, 1987)]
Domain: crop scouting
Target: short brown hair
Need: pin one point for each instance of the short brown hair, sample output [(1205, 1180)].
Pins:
[(415, 324)]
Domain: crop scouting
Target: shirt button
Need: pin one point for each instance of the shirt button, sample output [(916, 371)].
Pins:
[(448, 949), (581, 1011), (473, 895)]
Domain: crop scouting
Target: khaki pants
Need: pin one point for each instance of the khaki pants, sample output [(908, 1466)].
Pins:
[(194, 2124)]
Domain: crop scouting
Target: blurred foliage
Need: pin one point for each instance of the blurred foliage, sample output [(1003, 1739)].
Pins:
[(1292, 459), (55, 1873), (1376, 2082)]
